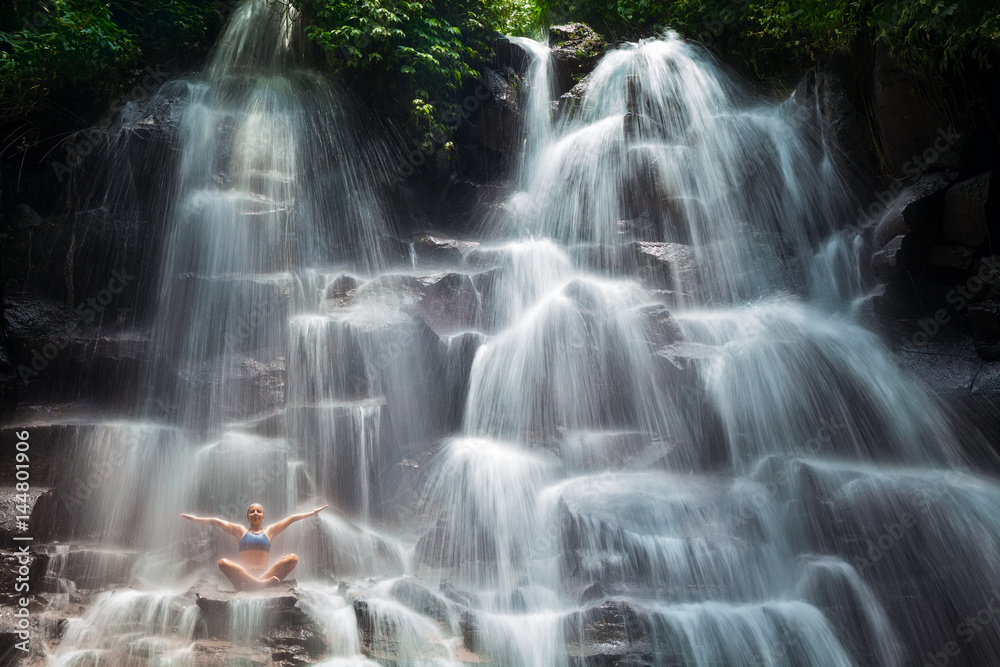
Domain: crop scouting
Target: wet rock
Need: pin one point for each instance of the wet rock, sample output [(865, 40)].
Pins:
[(874, 308), (11, 574), (834, 92), (569, 103), (576, 48), (971, 207), (498, 126), (146, 648), (457, 596), (40, 319), (273, 616), (437, 549), (379, 636), (298, 640), (512, 55), (486, 259), (669, 266), (459, 351), (984, 321), (831, 587), (50, 439), (918, 207), (592, 592), (290, 656), (450, 304), (255, 387), (212, 653), (947, 367), (413, 595), (612, 633), (37, 504), (432, 251), (887, 262), (92, 568), (470, 631), (341, 288), (660, 327)]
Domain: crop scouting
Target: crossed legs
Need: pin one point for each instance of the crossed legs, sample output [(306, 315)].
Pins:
[(243, 580)]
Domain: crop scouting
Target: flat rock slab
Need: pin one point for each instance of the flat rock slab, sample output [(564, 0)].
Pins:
[(273, 618)]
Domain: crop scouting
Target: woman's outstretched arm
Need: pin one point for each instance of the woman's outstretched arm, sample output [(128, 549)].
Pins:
[(275, 529), (233, 529)]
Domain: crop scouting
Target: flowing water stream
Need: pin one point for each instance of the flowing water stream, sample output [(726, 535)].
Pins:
[(632, 418)]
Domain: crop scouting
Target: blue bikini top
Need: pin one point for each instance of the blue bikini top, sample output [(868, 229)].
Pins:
[(255, 542)]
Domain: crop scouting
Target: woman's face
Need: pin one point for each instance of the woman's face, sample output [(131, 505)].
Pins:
[(255, 515)]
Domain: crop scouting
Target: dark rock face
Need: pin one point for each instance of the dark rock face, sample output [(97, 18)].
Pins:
[(660, 326), (450, 304), (984, 321), (576, 48), (60, 353), (669, 266), (916, 208), (835, 93), (277, 619), (913, 134), (570, 101), (498, 127), (434, 251)]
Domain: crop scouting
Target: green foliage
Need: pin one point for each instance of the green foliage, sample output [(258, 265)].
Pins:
[(940, 34), (64, 42), (424, 49), (93, 46), (929, 34), (169, 29)]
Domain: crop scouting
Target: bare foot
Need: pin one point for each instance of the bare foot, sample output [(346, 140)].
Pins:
[(273, 581)]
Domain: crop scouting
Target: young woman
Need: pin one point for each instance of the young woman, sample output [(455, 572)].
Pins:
[(255, 548)]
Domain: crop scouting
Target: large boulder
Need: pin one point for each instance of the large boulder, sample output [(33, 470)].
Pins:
[(917, 207), (273, 617), (611, 633), (576, 48), (450, 304)]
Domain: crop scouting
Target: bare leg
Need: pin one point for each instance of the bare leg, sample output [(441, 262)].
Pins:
[(239, 577), (280, 569)]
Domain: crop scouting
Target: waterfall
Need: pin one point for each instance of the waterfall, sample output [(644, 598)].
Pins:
[(633, 421)]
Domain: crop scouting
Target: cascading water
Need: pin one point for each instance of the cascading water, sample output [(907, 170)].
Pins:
[(638, 426)]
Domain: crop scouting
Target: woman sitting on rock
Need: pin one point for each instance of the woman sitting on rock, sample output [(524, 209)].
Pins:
[(255, 548)]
